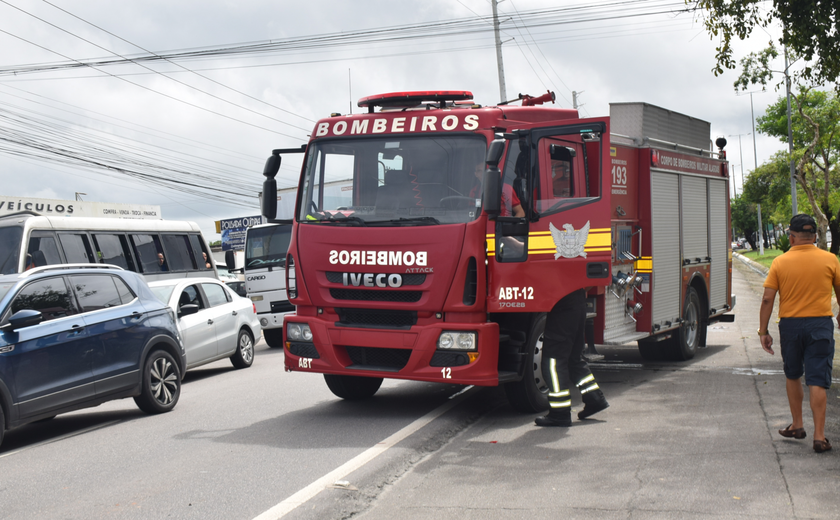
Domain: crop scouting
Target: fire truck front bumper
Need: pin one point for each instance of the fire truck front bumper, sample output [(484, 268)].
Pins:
[(445, 352)]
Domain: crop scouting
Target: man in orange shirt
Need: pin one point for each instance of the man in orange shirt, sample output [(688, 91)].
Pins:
[(803, 277)]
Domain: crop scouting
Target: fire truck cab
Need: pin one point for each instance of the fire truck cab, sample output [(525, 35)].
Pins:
[(433, 234)]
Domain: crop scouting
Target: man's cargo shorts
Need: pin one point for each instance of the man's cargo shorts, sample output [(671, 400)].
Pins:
[(808, 344)]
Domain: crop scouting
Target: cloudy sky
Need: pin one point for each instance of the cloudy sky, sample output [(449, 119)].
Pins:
[(222, 83)]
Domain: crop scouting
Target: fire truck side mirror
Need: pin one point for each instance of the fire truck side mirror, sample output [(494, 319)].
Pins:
[(493, 178), (269, 198)]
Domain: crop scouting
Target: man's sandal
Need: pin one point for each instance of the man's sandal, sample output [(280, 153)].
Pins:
[(821, 446), (796, 433)]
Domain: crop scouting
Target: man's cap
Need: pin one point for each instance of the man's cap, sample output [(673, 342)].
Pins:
[(803, 222)]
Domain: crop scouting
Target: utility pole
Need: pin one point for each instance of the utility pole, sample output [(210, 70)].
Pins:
[(741, 157), (499, 63), (760, 233), (790, 142), (752, 115)]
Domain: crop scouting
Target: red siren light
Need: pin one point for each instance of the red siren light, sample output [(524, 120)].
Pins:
[(413, 98)]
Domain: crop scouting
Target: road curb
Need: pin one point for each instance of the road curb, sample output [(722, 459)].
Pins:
[(755, 266)]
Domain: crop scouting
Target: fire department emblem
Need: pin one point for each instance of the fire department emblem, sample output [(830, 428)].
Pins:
[(569, 242)]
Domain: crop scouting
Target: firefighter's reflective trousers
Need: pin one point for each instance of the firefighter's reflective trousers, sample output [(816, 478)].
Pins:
[(563, 344)]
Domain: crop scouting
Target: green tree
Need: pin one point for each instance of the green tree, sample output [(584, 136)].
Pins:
[(815, 126), (744, 216), (809, 31)]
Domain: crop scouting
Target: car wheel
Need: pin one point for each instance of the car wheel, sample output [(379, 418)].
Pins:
[(530, 394), (353, 388), (273, 337), (2, 425), (244, 355), (161, 385)]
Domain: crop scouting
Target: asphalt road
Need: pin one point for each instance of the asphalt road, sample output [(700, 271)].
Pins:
[(680, 440)]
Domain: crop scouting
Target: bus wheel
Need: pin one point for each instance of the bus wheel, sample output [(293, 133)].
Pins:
[(530, 395), (685, 341), (273, 337), (353, 388)]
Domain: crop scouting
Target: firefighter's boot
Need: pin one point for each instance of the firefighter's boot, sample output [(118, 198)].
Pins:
[(561, 417), (593, 402)]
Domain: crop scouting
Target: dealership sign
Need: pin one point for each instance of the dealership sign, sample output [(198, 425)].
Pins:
[(76, 208)]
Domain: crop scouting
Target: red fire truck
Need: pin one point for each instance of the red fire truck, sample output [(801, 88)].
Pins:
[(433, 234)]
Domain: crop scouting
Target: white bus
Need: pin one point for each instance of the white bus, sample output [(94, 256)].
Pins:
[(157, 249)]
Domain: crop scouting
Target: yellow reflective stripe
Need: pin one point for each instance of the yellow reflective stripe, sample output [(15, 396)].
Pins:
[(594, 386), (562, 393), (586, 379), (644, 263), (555, 383), (560, 404)]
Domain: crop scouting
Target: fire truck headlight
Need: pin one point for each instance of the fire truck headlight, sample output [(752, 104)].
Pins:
[(298, 332), (456, 340)]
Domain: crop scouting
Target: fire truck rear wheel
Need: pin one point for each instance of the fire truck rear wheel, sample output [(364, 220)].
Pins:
[(530, 395), (273, 337), (684, 343), (353, 388)]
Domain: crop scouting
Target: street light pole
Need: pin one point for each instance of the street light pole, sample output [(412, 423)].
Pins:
[(741, 157)]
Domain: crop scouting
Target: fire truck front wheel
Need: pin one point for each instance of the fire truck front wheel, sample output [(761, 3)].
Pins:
[(353, 388), (530, 395), (273, 337)]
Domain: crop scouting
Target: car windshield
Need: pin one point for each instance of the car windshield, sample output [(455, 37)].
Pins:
[(163, 292), (267, 246), (398, 181), (10, 248)]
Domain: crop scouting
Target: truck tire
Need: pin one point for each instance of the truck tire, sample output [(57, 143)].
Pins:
[(353, 388), (683, 345), (273, 338), (161, 384), (530, 394)]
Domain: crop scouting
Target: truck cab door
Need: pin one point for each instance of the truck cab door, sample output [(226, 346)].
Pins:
[(564, 242)]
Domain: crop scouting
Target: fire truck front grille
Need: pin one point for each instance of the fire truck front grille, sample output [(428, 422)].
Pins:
[(306, 350), (370, 358), (376, 318), (407, 279), (376, 296)]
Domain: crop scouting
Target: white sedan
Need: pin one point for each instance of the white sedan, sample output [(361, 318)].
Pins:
[(214, 321)]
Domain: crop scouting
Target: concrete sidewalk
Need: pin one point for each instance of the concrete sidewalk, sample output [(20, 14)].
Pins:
[(680, 440)]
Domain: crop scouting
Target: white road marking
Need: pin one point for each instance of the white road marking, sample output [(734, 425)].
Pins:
[(357, 462), (62, 437)]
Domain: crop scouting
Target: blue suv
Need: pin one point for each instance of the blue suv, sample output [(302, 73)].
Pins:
[(74, 336)]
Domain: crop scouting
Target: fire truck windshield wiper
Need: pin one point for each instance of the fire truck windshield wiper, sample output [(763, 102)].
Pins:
[(413, 220), (339, 217)]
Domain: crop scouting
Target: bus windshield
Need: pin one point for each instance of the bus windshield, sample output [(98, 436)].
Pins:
[(10, 248), (392, 180), (267, 246)]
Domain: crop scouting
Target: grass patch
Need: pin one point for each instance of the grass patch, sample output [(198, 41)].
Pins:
[(766, 259)]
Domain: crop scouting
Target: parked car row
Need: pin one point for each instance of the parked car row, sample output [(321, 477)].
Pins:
[(74, 336)]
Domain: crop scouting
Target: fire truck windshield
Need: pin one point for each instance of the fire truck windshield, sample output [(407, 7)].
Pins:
[(424, 180)]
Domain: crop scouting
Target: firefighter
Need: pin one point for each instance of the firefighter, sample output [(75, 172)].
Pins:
[(563, 363)]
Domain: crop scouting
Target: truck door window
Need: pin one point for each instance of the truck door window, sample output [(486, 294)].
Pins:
[(567, 172)]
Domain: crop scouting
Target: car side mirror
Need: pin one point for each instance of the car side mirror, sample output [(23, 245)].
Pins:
[(230, 260), (25, 318), (186, 310)]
